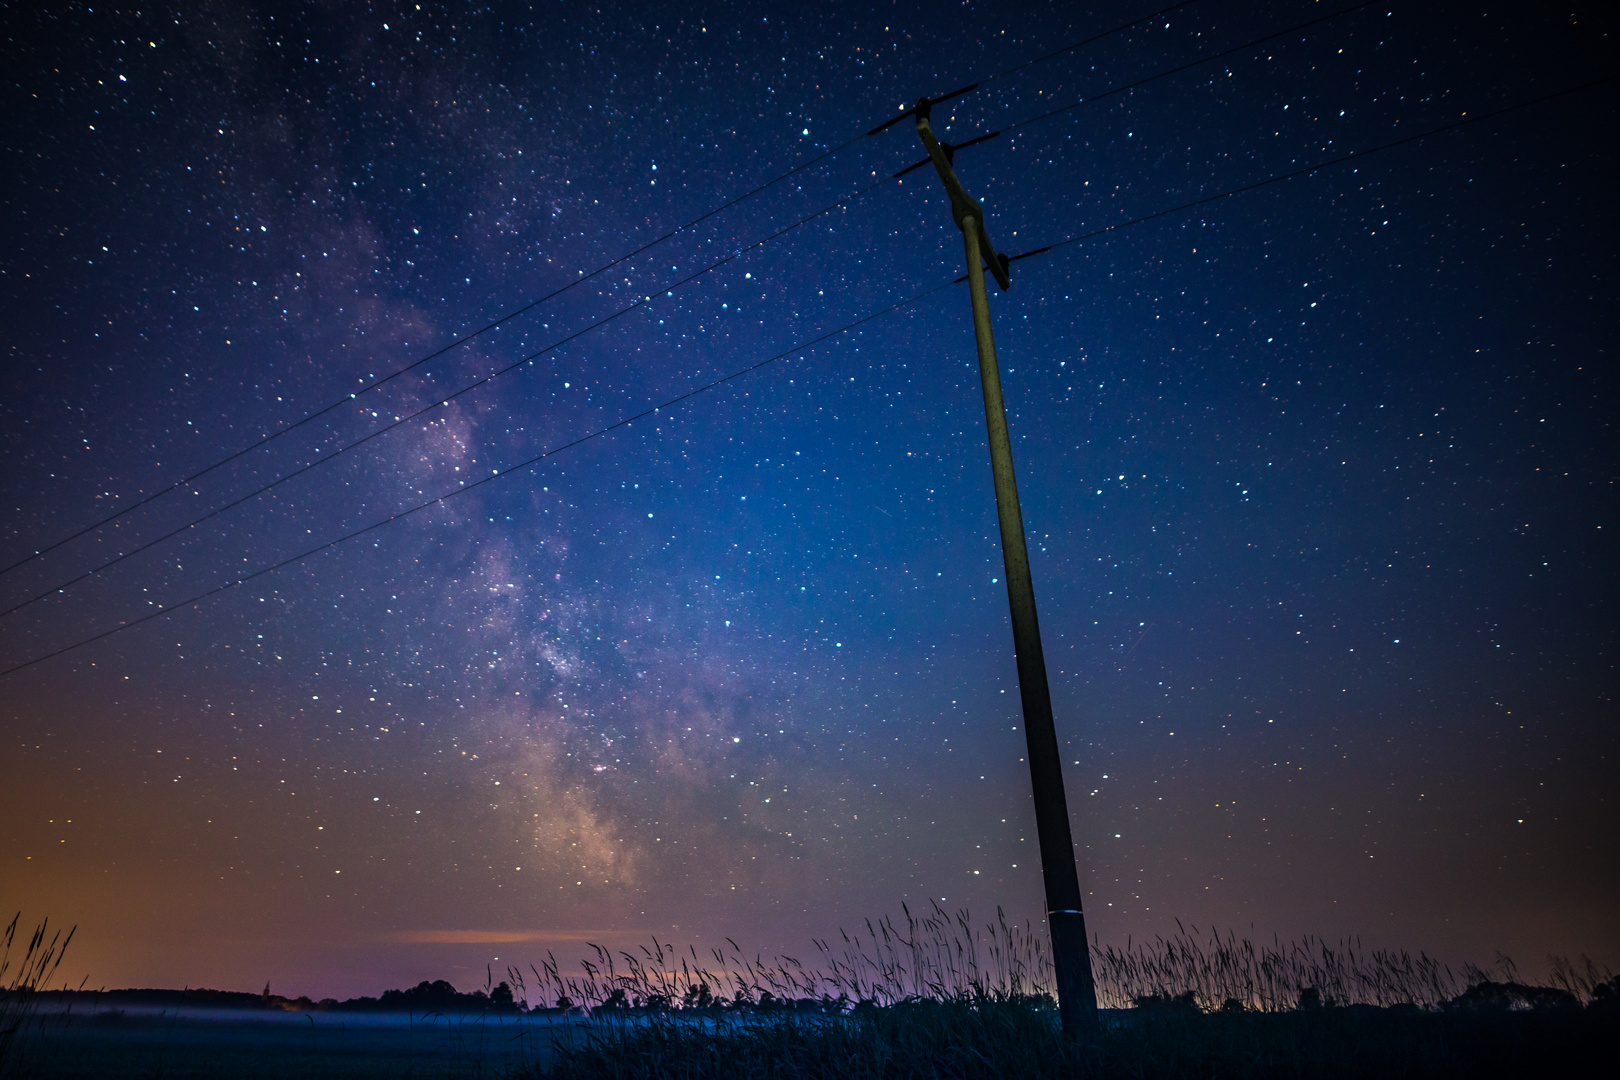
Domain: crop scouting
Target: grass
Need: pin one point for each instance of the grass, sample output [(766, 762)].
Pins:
[(934, 995), (21, 978), (937, 996)]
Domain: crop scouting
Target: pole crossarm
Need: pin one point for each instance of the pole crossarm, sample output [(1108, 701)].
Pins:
[(928, 103), (963, 205), (950, 153)]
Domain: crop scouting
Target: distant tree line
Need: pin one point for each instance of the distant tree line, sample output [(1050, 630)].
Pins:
[(425, 997)]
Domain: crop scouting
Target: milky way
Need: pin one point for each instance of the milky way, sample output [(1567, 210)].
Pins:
[(1318, 479)]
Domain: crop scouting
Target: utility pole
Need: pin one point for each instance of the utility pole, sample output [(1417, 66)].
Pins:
[(1071, 956)]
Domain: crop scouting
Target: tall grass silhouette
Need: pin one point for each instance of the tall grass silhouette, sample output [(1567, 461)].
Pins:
[(937, 956), (1238, 973), (21, 978), (945, 956), (937, 995)]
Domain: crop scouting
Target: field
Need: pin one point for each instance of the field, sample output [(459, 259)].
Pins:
[(928, 996)]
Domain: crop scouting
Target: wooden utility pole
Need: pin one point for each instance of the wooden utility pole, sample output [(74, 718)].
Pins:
[(1071, 956)]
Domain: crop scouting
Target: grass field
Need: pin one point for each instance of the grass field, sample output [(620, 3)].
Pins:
[(931, 995), (947, 1039), (936, 996)]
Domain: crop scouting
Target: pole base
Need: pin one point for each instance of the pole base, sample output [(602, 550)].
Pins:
[(1071, 960)]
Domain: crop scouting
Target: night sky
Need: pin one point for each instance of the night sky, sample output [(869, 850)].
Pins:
[(1319, 479)]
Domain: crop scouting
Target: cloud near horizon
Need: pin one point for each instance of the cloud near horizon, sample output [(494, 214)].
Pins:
[(491, 937)]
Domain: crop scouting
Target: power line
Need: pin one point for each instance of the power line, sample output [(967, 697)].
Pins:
[(53, 590), (1206, 200), (1188, 66), (375, 383), (1088, 41), (494, 475), (401, 421), (690, 394), (951, 148), (640, 303), (696, 391), (1054, 54), (464, 339)]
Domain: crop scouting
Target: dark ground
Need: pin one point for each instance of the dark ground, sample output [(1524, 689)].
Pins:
[(183, 1043), (930, 1039)]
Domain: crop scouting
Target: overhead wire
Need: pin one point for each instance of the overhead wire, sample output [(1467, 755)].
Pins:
[(1189, 65), (494, 475), (403, 420), (333, 455), (530, 306), (1318, 166), (1053, 55), (1137, 84), (706, 387)]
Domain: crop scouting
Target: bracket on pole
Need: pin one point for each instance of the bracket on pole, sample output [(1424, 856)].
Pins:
[(970, 87), (950, 153), (963, 205)]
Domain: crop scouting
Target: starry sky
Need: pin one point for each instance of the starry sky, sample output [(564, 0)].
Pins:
[(1318, 479)]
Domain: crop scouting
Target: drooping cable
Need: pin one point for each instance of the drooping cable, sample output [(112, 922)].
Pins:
[(696, 391), (1138, 83), (1053, 55), (530, 306), (55, 589), (1188, 66), (403, 420), (494, 475), (1353, 155)]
